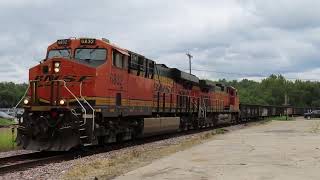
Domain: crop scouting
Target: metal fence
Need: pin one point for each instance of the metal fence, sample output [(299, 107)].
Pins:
[(12, 111)]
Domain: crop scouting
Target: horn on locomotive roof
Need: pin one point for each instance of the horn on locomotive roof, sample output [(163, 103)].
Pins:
[(106, 40)]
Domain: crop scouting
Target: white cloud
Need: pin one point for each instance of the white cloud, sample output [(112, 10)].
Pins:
[(239, 37)]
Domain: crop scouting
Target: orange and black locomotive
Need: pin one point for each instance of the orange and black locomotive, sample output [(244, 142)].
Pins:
[(90, 91)]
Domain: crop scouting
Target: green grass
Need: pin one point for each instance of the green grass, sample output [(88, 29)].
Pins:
[(5, 122), (6, 136), (6, 139), (220, 131)]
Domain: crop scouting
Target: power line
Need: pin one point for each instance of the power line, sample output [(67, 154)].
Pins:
[(251, 75), (233, 73)]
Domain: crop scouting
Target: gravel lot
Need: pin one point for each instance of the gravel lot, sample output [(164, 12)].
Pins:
[(67, 169), (278, 150)]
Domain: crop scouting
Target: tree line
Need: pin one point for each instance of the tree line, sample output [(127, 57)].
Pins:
[(269, 91), (272, 91), (10, 93)]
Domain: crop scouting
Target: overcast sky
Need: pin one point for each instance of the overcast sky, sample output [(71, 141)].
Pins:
[(245, 38)]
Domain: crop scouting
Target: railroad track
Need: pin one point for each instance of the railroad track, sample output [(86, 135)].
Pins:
[(25, 161)]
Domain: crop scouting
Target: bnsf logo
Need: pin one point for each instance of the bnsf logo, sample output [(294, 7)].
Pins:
[(67, 78)]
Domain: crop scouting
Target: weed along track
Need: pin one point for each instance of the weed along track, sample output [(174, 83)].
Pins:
[(7, 138)]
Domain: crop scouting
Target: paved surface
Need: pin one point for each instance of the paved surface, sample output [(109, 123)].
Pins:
[(277, 150)]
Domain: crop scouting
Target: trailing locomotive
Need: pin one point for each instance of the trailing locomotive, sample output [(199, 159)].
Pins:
[(89, 91)]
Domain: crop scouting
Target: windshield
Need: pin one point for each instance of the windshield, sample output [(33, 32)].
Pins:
[(65, 53), (91, 57), (91, 54)]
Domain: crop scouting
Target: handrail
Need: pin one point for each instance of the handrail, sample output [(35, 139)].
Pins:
[(84, 109), (65, 86), (93, 111), (25, 93), (204, 109)]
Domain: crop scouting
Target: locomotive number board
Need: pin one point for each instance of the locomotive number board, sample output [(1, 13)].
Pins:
[(87, 41), (63, 42)]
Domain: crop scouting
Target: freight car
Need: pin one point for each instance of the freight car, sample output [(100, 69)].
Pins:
[(252, 112), (90, 91)]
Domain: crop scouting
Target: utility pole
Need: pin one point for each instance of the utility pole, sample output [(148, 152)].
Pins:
[(190, 57), (286, 98), (286, 103)]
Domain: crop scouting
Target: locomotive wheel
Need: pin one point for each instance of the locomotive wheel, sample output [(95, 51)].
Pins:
[(101, 140)]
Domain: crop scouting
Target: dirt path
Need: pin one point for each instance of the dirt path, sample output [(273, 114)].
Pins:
[(277, 150)]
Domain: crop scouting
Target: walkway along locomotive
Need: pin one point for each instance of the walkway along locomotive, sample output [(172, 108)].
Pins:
[(89, 91)]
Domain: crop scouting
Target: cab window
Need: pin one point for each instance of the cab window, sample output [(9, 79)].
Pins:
[(134, 62), (149, 69), (119, 60), (59, 53), (92, 57)]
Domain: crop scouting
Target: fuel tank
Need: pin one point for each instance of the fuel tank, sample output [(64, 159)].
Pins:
[(161, 125)]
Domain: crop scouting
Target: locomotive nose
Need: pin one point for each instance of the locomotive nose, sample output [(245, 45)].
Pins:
[(60, 79)]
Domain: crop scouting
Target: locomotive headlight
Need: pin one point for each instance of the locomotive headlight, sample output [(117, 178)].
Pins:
[(62, 102), (26, 101), (56, 69), (57, 64)]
